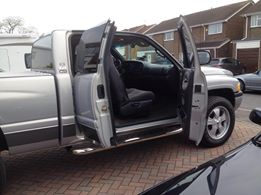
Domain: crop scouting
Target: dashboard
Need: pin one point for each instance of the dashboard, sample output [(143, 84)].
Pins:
[(135, 67)]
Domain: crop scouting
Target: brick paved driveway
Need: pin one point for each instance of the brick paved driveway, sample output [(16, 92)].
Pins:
[(126, 170)]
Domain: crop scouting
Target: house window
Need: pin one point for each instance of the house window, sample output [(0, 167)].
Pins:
[(256, 20), (215, 28), (169, 36)]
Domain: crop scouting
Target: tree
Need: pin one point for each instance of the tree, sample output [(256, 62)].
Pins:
[(10, 24), (1, 27), (27, 30), (15, 24)]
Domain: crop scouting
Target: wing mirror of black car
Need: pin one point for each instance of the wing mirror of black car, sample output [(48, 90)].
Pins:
[(204, 57), (255, 116), (28, 60)]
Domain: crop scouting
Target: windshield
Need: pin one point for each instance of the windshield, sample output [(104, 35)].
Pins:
[(214, 61), (133, 48)]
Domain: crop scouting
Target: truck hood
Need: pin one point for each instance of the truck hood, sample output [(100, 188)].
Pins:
[(215, 71)]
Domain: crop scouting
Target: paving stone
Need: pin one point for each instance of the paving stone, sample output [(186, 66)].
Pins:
[(125, 170)]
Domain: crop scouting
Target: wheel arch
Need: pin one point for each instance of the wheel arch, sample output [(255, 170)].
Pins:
[(226, 93), (3, 143), (241, 79)]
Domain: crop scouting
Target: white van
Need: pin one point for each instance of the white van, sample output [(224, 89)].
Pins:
[(13, 49)]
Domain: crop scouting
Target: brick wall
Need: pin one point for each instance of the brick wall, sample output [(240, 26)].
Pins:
[(234, 28), (172, 46), (225, 51), (253, 33), (198, 34)]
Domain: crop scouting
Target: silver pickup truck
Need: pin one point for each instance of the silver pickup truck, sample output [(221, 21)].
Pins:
[(104, 89)]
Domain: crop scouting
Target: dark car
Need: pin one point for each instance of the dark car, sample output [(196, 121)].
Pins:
[(231, 64), (250, 81), (235, 173)]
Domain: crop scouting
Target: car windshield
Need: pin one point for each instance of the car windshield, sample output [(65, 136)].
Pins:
[(214, 61), (133, 48)]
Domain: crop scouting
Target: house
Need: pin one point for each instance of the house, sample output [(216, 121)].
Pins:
[(248, 49), (143, 29), (212, 29)]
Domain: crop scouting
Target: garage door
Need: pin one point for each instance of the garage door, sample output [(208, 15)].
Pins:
[(249, 57)]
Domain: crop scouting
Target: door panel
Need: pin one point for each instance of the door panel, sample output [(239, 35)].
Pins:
[(194, 87), (91, 107)]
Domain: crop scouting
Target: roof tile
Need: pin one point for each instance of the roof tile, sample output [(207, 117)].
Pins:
[(203, 17), (254, 9)]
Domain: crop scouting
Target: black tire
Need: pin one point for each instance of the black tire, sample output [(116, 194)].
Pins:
[(242, 86), (2, 175), (226, 109)]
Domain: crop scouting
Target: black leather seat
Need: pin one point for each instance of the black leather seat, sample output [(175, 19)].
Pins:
[(128, 102)]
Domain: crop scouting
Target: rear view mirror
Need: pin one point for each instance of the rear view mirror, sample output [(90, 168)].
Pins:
[(255, 116), (28, 60), (204, 57)]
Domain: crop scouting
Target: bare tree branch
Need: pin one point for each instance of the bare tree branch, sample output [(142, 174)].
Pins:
[(15, 24), (10, 24)]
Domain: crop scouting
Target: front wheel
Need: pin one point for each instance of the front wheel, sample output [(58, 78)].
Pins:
[(220, 122), (2, 175)]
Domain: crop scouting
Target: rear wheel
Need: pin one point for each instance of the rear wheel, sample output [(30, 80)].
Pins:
[(220, 122), (2, 175)]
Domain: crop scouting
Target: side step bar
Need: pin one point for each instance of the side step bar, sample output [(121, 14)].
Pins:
[(93, 149)]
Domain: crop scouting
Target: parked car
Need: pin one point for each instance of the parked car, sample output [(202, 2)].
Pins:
[(235, 173), (250, 81), (230, 64)]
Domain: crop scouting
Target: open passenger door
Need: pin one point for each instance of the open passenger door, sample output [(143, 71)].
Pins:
[(194, 94)]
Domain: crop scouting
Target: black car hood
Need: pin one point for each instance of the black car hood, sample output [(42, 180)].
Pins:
[(238, 172)]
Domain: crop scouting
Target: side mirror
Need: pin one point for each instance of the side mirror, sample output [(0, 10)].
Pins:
[(28, 60), (255, 116), (204, 57)]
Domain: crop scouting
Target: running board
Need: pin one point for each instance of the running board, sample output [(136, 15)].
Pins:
[(93, 149), (144, 135), (150, 125)]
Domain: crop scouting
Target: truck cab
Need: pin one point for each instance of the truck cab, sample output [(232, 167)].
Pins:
[(109, 88), (135, 88)]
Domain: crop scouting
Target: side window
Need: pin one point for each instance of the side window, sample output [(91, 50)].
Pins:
[(237, 63), (42, 54), (187, 48), (90, 60), (234, 62), (4, 61)]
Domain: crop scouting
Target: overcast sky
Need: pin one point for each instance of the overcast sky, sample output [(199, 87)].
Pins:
[(47, 15)]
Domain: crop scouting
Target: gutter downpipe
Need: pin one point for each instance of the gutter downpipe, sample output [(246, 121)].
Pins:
[(204, 35), (246, 28), (246, 33)]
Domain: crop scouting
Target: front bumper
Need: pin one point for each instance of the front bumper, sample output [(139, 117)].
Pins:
[(238, 99)]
